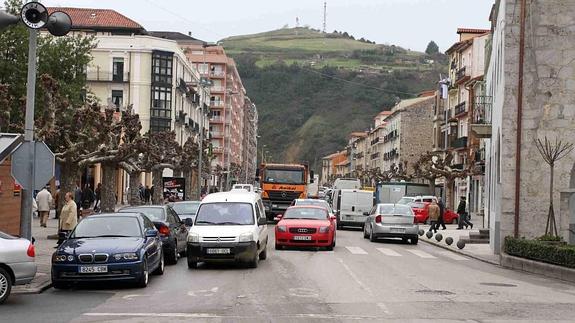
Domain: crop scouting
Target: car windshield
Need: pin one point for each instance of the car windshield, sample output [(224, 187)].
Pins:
[(284, 176), (417, 205), (306, 213), (225, 213), (395, 209), (405, 200), (109, 226), (186, 208), (153, 213)]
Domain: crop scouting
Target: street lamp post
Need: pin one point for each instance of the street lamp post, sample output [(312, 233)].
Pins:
[(204, 83)]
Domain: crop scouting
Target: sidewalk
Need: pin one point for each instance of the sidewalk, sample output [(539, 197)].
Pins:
[(477, 251)]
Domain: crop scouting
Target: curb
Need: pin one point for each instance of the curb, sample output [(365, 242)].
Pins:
[(36, 290), (460, 252), (538, 268)]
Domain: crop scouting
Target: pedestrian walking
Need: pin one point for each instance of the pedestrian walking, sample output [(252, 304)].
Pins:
[(433, 212), (441, 221), (68, 217), (463, 216), (142, 193), (56, 198), (78, 199), (98, 192), (147, 194), (87, 200), (44, 201)]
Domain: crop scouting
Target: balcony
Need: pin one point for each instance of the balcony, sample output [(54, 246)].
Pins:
[(461, 75), (217, 150), (481, 121), (391, 154), (374, 156), (107, 76), (216, 119), (218, 89), (218, 74), (461, 109), (457, 166), (390, 136), (216, 104), (459, 143), (375, 141)]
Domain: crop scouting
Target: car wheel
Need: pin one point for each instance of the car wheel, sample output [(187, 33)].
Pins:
[(5, 285), (264, 253), (365, 235), (404, 240), (192, 264), (372, 237), (414, 240), (255, 262), (160, 270), (144, 278), (173, 255)]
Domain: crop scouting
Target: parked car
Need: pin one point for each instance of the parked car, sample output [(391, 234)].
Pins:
[(420, 198), (109, 247), (229, 227), (421, 211), (17, 266), (391, 221), (185, 210), (306, 226), (173, 230)]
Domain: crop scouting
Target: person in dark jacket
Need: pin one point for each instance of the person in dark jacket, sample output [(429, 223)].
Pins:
[(441, 220), (147, 195), (461, 210), (87, 197), (98, 197)]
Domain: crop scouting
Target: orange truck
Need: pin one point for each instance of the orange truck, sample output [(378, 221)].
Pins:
[(280, 184)]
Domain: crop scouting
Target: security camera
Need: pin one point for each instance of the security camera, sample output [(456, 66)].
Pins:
[(34, 15)]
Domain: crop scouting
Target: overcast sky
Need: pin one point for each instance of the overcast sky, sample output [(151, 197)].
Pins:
[(407, 23)]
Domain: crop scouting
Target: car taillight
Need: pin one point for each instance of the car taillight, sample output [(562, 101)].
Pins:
[(378, 219), (164, 230), (31, 252)]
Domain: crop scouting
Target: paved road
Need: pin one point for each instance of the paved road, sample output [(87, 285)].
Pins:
[(358, 281)]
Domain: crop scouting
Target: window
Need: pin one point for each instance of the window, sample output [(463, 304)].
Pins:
[(118, 98), (118, 69), (162, 67)]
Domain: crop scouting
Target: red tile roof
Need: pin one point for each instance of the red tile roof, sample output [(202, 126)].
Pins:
[(97, 18), (472, 31)]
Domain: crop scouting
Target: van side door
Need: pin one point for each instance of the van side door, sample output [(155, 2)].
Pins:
[(262, 229)]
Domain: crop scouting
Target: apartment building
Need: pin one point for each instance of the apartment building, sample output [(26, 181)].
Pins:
[(250, 141), (466, 68), (375, 149)]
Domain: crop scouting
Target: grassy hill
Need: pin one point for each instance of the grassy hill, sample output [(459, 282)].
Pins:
[(312, 89)]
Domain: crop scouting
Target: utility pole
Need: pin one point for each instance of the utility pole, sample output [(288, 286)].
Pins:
[(324, 15)]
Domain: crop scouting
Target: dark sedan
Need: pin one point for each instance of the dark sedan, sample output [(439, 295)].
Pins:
[(186, 209), (172, 229), (109, 247)]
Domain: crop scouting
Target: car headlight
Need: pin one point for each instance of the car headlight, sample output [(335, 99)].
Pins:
[(126, 256), (281, 228), (323, 229), (193, 237), (246, 237), (61, 258)]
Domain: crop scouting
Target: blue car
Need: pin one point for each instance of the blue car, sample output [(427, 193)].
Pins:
[(109, 247)]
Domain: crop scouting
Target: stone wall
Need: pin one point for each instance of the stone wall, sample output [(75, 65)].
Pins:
[(416, 131)]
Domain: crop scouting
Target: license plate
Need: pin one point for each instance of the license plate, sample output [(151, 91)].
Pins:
[(93, 269), (398, 230), (218, 251), (302, 238), (274, 205)]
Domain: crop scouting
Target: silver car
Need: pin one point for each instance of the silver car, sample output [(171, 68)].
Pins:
[(17, 266), (391, 221)]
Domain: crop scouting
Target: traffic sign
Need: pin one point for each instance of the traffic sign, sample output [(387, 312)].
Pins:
[(43, 164)]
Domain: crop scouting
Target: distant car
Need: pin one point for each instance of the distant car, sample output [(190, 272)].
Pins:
[(17, 266), (186, 210), (109, 247), (421, 211), (391, 221), (173, 230), (306, 226)]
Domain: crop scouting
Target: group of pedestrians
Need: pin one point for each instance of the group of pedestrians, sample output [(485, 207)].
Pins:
[(436, 212), (146, 193)]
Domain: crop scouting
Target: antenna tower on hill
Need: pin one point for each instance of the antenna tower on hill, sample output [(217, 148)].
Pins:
[(324, 15)]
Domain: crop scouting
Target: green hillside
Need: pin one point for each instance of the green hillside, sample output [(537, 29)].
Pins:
[(313, 89)]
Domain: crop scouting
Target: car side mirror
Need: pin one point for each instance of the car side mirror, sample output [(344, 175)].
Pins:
[(151, 233), (366, 213), (262, 221), (189, 222)]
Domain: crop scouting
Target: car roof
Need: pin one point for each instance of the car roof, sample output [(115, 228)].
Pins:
[(185, 202), (392, 204), (357, 190), (235, 196), (122, 214), (141, 207), (307, 207)]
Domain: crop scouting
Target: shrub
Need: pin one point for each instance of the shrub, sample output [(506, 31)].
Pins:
[(563, 255), (548, 237)]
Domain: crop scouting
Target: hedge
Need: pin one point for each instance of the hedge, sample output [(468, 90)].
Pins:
[(562, 255)]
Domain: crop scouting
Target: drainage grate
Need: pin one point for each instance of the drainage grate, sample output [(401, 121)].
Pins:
[(498, 284), (434, 292)]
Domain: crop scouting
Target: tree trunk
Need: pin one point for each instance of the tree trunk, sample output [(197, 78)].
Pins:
[(69, 174), (190, 189), (108, 193), (134, 194), (157, 184), (449, 195), (432, 186)]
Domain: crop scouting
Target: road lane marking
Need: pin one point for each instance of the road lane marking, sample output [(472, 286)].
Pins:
[(384, 308), (389, 252), (421, 254), (133, 295), (203, 292), (354, 276), (303, 292), (452, 255), (356, 250)]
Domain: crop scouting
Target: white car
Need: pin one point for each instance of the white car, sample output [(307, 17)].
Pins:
[(229, 227), (17, 266)]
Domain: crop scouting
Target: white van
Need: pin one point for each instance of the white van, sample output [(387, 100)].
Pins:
[(229, 227), (351, 183), (350, 205)]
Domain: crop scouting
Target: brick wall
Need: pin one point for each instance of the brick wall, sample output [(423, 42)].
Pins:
[(9, 204)]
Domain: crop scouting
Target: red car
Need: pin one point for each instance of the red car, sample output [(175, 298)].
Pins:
[(306, 226), (421, 211)]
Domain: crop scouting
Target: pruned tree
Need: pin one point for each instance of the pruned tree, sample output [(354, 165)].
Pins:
[(189, 162), (163, 151), (551, 153), (398, 172)]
